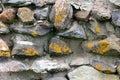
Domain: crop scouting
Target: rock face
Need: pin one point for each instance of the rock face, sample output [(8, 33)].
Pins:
[(48, 39), (88, 73), (44, 66), (61, 14)]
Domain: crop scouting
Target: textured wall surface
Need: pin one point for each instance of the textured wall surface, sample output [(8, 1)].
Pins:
[(59, 39)]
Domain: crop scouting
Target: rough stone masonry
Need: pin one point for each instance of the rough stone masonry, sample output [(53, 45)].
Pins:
[(59, 39)]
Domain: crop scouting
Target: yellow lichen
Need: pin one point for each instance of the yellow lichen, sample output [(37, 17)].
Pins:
[(89, 46), (58, 48), (99, 67), (103, 47), (97, 28), (1, 25), (34, 33), (60, 15), (109, 70), (118, 67), (31, 52), (5, 53)]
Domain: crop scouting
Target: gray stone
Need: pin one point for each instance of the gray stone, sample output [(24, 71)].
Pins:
[(29, 46), (104, 67), (101, 10), (25, 15), (89, 73), (108, 46), (56, 78), (98, 29), (59, 47), (116, 18), (40, 28), (41, 13), (3, 28), (12, 66), (85, 5), (80, 61), (17, 2), (115, 2), (76, 31), (61, 14), (43, 2), (46, 65)]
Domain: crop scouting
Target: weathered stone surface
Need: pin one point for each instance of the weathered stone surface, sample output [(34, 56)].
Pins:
[(115, 2), (4, 49), (56, 78), (7, 15), (61, 14), (96, 29), (17, 2), (116, 18), (85, 5), (80, 61), (104, 67), (29, 46), (12, 66), (41, 28), (109, 46), (101, 10), (82, 15), (89, 73), (46, 65), (76, 31), (3, 28), (43, 2), (25, 15), (59, 47), (41, 13)]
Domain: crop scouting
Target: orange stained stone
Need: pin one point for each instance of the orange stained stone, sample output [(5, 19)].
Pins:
[(31, 52)]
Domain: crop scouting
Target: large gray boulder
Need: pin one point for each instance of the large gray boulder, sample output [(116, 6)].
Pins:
[(89, 73)]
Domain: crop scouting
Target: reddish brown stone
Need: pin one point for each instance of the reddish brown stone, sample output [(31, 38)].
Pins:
[(7, 15), (82, 15)]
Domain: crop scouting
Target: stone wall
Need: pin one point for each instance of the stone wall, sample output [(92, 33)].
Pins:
[(59, 39)]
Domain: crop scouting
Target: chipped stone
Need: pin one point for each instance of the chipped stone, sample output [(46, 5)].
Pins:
[(41, 13), (46, 65), (76, 31), (56, 78)]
